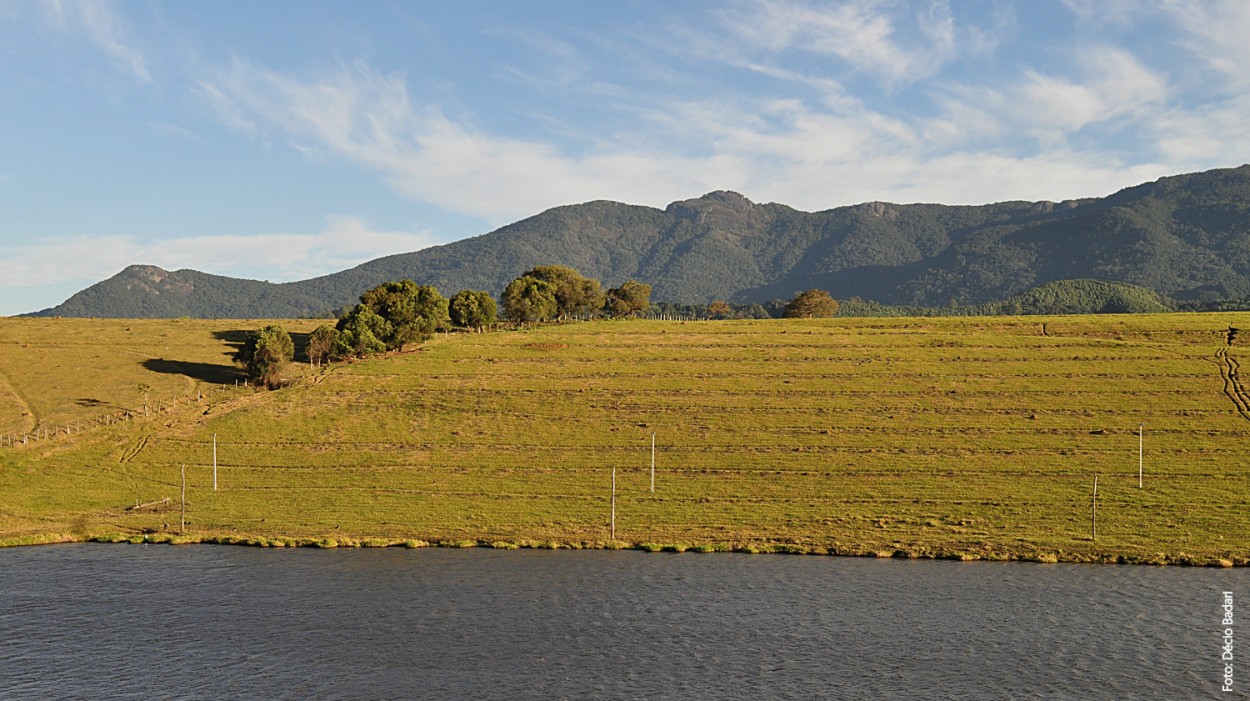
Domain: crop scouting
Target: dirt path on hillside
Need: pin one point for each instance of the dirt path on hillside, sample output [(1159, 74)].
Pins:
[(1230, 372), (28, 419)]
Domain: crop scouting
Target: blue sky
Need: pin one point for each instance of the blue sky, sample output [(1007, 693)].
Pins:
[(283, 140)]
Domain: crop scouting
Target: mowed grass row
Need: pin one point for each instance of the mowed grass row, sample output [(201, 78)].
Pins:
[(978, 437)]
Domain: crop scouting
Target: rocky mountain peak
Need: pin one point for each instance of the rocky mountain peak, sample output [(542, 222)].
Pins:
[(146, 273), (721, 207)]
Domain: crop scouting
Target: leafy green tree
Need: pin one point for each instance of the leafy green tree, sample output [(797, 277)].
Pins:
[(265, 354), (326, 343), (630, 298), (575, 293), (362, 331), (529, 299), (812, 304), (472, 309), (413, 311)]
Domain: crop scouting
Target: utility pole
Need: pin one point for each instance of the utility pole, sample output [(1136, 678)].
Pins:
[(214, 462), (184, 498), (1093, 512), (653, 462)]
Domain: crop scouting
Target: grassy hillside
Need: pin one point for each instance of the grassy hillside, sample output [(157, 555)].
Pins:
[(56, 373), (957, 437)]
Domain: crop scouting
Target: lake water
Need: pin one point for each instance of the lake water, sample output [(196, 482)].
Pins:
[(97, 621)]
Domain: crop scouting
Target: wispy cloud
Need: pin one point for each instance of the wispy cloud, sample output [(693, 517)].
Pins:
[(811, 156), (368, 117), (866, 36), (1100, 119), (1215, 32), (1044, 110), (173, 131), (345, 242), (98, 20)]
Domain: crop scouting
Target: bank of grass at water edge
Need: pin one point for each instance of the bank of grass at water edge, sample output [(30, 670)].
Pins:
[(919, 552), (966, 439)]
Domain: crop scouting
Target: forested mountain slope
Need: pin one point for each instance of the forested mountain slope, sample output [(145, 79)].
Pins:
[(1186, 237)]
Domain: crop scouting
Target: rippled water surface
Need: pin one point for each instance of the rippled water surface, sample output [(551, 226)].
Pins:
[(205, 622)]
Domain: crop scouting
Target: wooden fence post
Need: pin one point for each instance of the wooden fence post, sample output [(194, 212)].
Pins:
[(1093, 512)]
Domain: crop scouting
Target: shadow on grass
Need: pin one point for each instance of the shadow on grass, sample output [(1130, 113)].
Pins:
[(204, 372), (235, 340)]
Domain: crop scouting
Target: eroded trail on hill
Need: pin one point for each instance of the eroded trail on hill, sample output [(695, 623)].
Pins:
[(1230, 372), (28, 420)]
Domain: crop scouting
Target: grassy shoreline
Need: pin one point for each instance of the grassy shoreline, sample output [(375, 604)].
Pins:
[(920, 552), (950, 438)]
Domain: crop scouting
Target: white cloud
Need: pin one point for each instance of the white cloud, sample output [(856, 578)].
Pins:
[(1109, 121), (368, 118), (1213, 133), (105, 29), (1116, 85), (345, 242), (1046, 110), (1216, 32), (1104, 12), (865, 35), (786, 150)]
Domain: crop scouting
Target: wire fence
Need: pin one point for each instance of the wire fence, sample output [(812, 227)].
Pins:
[(41, 434)]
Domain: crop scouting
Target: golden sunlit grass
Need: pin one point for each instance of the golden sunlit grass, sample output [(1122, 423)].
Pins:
[(944, 437)]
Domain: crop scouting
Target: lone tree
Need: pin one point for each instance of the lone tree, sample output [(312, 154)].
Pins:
[(812, 304), (529, 299), (472, 309), (392, 315), (719, 309), (630, 298), (265, 354), (575, 293)]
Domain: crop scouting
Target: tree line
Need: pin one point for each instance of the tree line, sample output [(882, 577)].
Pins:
[(395, 314)]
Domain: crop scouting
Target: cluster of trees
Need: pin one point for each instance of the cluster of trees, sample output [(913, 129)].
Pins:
[(558, 291), (389, 316), (395, 314), (804, 305)]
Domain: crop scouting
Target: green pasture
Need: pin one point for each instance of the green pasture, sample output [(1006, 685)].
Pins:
[(63, 373), (941, 437)]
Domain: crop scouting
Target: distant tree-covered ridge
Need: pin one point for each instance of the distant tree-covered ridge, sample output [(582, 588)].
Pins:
[(1186, 238), (1062, 297)]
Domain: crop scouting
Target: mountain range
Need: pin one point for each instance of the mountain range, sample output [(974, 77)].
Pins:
[(1186, 237)]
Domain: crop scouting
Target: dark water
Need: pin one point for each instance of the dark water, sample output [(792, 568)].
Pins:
[(204, 622)]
